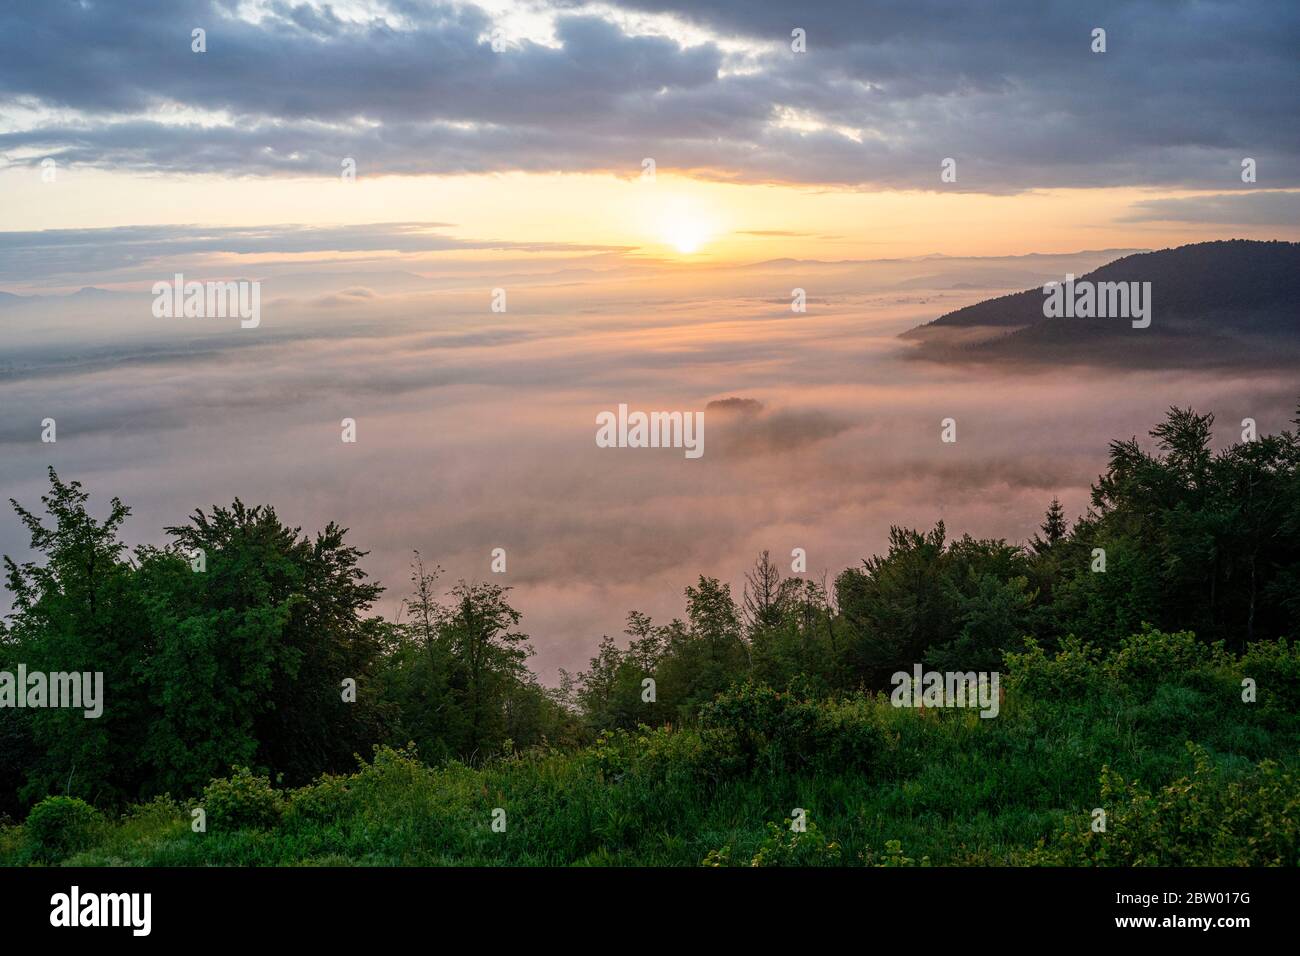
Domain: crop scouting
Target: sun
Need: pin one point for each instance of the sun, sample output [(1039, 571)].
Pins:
[(685, 227), (686, 235), (682, 221)]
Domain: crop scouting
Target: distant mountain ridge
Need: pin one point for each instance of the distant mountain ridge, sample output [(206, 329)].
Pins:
[(1213, 303)]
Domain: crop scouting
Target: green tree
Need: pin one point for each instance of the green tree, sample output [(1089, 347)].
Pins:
[(896, 606), (1054, 528), (488, 658), (270, 630), (75, 610)]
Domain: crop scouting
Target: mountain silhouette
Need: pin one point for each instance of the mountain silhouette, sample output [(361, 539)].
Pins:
[(1230, 302)]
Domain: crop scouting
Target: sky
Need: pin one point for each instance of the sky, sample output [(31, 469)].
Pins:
[(759, 151), (648, 181)]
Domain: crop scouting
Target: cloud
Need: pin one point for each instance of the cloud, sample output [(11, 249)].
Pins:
[(1254, 208), (53, 253), (749, 429), (885, 91), (779, 432)]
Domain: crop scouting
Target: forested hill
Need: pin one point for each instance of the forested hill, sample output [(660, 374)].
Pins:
[(1228, 302)]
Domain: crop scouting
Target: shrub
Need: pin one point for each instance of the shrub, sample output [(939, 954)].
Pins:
[(753, 726), (393, 785), (1069, 674), (58, 827), (893, 856), (11, 844), (161, 808), (1201, 820), (1275, 668), (785, 847), (324, 801), (1151, 658), (242, 801), (720, 755), (612, 754)]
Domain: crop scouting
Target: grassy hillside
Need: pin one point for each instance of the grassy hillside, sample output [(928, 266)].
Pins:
[(1155, 733)]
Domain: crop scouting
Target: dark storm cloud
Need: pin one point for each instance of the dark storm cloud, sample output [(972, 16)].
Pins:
[(885, 91)]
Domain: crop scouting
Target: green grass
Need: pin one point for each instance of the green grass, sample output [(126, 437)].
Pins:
[(946, 785)]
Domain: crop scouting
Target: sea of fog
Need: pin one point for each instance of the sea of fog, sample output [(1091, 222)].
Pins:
[(475, 429)]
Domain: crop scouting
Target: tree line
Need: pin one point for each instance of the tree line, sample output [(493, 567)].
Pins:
[(242, 663)]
